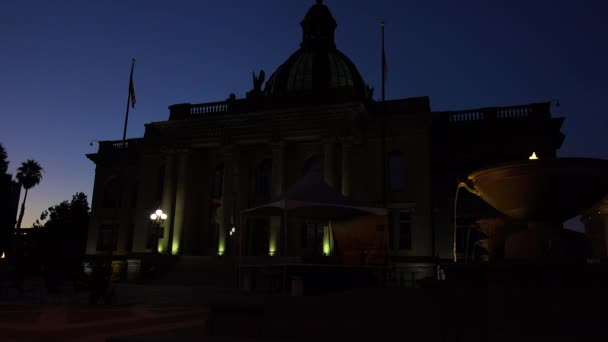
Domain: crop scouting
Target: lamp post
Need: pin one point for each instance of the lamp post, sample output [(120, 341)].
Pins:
[(157, 218)]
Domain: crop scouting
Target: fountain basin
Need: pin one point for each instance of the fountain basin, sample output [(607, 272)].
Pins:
[(549, 190)]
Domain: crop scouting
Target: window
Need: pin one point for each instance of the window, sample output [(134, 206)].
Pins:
[(405, 229), (400, 232), (396, 172), (111, 194), (130, 237), (107, 238), (263, 181)]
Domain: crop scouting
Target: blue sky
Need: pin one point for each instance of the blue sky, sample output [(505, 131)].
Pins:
[(64, 65)]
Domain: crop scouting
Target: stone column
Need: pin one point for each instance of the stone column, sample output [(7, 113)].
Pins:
[(167, 203), (227, 199), (278, 177), (181, 161), (329, 161), (347, 147)]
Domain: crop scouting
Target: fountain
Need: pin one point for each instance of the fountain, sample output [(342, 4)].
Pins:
[(543, 193)]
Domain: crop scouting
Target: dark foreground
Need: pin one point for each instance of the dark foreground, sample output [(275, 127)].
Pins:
[(497, 307)]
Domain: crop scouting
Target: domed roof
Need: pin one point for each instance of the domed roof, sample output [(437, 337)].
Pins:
[(318, 68)]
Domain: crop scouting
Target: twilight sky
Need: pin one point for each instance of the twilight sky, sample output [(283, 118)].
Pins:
[(64, 65)]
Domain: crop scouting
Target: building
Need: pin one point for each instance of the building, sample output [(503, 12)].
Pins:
[(209, 162)]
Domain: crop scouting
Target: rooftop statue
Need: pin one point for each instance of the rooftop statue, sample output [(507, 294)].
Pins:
[(258, 81)]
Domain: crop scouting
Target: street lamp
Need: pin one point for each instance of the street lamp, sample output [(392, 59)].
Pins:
[(157, 218)]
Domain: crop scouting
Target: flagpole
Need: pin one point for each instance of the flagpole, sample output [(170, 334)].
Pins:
[(383, 61), (124, 132)]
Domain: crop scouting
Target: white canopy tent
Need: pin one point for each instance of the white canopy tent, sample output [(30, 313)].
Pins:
[(312, 198)]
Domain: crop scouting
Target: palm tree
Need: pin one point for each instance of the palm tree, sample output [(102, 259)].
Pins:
[(29, 174)]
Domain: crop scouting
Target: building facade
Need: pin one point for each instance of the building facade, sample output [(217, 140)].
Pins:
[(209, 162)]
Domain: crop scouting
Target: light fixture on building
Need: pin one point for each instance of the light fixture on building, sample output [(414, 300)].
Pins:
[(533, 156)]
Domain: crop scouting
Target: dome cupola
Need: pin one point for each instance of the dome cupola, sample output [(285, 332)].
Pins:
[(317, 68)]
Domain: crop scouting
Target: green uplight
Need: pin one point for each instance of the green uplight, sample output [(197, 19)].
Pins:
[(326, 249), (328, 240), (272, 247)]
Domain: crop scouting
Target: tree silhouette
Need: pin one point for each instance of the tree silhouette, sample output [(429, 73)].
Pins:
[(29, 174), (8, 193), (63, 236), (3, 160)]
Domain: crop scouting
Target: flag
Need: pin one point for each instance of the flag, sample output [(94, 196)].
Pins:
[(132, 91), (384, 66)]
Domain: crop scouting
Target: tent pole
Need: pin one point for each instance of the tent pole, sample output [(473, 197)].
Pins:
[(241, 229), (285, 251), (241, 232), (285, 232)]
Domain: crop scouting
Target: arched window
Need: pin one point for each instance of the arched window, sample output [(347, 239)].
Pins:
[(396, 171), (111, 194), (314, 165), (263, 181)]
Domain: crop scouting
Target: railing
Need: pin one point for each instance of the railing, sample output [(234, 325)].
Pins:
[(528, 112), (184, 110), (211, 107), (466, 116), (118, 145)]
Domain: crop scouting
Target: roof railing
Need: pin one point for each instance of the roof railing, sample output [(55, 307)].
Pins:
[(535, 111), (110, 146)]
